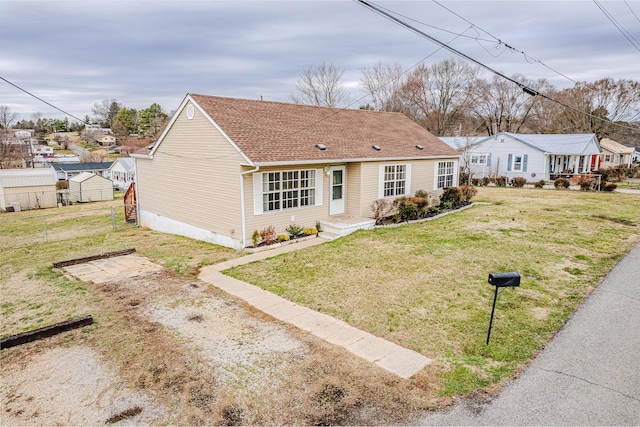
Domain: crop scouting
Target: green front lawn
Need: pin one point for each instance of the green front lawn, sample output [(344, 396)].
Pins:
[(424, 286)]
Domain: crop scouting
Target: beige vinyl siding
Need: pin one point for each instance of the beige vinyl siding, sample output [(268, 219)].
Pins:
[(194, 178), (353, 202), (304, 216), (422, 178), (31, 197)]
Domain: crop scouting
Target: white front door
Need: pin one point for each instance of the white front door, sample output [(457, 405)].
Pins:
[(337, 184)]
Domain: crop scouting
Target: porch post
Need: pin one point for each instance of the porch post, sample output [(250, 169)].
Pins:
[(576, 166)]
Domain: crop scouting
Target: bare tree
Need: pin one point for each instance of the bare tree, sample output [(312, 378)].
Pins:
[(501, 105), (321, 85), (605, 102), (106, 110), (383, 83), (7, 117), (438, 96)]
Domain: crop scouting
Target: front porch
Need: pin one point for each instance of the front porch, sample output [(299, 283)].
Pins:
[(341, 225)]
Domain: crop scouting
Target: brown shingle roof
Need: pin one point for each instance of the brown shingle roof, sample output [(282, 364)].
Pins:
[(278, 132)]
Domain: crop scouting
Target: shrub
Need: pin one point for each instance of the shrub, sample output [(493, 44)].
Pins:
[(295, 230), (255, 237), (539, 184), (586, 184), (561, 183), (422, 193), (420, 202), (501, 181), (434, 210), (451, 198), (283, 237), (310, 231), (318, 226), (62, 185), (518, 182), (485, 181), (468, 192), (609, 186), (475, 181), (381, 208), (268, 235), (407, 208)]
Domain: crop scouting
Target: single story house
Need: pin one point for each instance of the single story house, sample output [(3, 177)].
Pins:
[(32, 188), (89, 187), (122, 173), (461, 143), (635, 157), (107, 140), (534, 156), (69, 170), (224, 168), (614, 154)]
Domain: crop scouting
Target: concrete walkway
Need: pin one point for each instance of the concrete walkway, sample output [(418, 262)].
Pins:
[(398, 360), (589, 374)]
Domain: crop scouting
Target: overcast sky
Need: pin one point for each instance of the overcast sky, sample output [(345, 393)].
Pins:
[(76, 53)]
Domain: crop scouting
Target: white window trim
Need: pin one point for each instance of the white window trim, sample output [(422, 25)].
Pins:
[(454, 182), (258, 207), (407, 182)]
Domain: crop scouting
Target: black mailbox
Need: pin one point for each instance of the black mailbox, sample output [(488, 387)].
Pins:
[(503, 280)]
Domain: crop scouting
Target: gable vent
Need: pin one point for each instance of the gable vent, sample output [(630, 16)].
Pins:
[(321, 147), (419, 147), (376, 147)]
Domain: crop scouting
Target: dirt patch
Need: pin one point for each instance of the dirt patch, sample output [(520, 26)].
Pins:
[(70, 386), (167, 349)]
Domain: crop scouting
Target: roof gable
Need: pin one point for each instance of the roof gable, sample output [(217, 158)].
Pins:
[(615, 147), (273, 132)]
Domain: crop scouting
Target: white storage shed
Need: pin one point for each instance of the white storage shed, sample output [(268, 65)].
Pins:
[(89, 187), (22, 189)]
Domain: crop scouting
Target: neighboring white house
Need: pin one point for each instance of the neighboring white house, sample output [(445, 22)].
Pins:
[(635, 157), (534, 156), (41, 150), (123, 172), (614, 154), (30, 188), (89, 187)]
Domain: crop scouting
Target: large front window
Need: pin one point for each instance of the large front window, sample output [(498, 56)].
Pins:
[(289, 189), (445, 174), (395, 180)]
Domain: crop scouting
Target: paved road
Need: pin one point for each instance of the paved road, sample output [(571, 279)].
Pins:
[(589, 374)]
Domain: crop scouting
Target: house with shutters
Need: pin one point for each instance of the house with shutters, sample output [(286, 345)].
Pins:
[(534, 156), (614, 154), (225, 167)]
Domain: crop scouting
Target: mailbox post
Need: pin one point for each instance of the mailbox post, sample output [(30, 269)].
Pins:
[(501, 280)]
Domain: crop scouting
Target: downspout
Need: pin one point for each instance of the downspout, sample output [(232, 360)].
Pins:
[(242, 209)]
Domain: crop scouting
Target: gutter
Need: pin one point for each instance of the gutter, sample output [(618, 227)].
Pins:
[(242, 203)]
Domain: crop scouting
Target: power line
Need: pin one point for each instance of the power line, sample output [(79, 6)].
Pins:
[(507, 46), (41, 100), (619, 26), (525, 88), (634, 14)]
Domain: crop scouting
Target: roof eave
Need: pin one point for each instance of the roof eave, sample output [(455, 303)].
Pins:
[(355, 160)]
